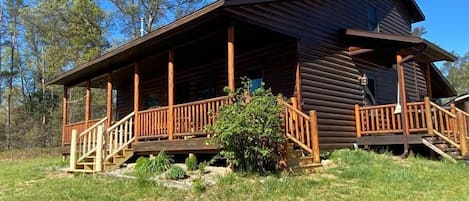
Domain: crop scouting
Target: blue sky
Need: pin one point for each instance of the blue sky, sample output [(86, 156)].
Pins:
[(447, 23)]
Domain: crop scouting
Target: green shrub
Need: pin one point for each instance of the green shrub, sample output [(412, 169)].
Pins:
[(202, 166), (141, 165), (249, 130), (160, 163), (175, 172), (198, 185), (191, 162), (157, 165)]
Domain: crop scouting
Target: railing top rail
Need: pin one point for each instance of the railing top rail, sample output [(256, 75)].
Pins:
[(462, 112), (130, 115), (93, 127), (153, 110), (377, 106), (201, 101), (416, 103), (82, 122), (443, 110), (294, 109)]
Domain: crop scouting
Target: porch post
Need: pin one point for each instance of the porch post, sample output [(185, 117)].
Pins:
[(136, 101), (109, 100), (170, 94), (231, 77), (428, 81), (403, 99), (64, 113), (298, 85), (88, 103)]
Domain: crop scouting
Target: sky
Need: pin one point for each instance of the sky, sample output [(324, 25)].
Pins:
[(447, 24)]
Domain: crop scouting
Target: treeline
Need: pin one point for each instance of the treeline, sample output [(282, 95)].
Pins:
[(41, 38)]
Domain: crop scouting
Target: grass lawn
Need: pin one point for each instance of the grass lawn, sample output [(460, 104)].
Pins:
[(357, 175)]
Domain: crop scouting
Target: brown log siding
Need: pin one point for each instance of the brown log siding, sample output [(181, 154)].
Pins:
[(329, 75)]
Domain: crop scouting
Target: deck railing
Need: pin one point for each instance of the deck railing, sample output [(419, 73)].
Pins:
[(189, 118), (78, 126), (422, 117), (153, 122)]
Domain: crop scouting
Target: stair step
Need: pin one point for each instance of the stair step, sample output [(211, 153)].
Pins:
[(80, 171), (85, 163)]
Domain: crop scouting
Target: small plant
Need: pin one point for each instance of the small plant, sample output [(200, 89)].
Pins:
[(202, 166), (141, 165), (175, 173), (160, 163), (191, 162), (198, 185)]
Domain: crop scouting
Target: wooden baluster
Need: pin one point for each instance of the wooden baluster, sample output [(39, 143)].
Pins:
[(441, 120), (410, 116), (435, 116)]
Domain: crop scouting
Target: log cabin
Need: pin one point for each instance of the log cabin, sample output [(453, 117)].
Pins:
[(355, 74)]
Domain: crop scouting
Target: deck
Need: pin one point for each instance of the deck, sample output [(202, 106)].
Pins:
[(419, 121)]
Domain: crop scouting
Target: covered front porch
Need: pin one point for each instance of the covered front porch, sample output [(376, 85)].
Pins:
[(167, 94)]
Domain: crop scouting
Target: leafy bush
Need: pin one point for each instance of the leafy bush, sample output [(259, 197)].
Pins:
[(175, 172), (158, 164), (198, 185), (191, 162), (249, 130)]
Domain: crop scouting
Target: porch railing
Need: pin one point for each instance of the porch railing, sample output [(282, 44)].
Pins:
[(78, 126), (422, 117), (189, 118)]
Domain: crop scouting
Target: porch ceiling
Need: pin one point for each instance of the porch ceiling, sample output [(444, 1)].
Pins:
[(385, 47)]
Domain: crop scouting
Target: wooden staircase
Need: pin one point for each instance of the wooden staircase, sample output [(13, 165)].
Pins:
[(302, 149), (99, 149)]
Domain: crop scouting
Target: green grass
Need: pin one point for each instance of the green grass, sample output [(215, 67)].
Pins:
[(358, 175)]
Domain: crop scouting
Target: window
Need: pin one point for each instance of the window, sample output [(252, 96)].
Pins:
[(206, 89), (256, 79), (370, 92), (182, 92), (373, 19)]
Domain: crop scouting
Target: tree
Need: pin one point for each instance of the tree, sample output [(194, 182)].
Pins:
[(458, 73), (155, 13), (419, 31)]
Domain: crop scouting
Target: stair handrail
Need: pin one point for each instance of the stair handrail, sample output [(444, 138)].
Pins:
[(88, 140), (119, 136), (301, 129), (439, 125)]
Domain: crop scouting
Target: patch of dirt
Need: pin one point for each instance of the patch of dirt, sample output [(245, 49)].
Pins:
[(209, 177), (58, 175)]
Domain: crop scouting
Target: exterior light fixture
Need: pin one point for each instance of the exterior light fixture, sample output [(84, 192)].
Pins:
[(363, 80)]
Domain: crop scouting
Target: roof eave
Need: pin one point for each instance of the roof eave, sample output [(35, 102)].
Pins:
[(59, 79)]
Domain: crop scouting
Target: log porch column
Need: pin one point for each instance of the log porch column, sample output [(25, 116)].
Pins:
[(231, 64), (109, 100), (88, 103), (64, 113), (136, 101), (403, 100), (298, 85), (170, 94), (428, 81)]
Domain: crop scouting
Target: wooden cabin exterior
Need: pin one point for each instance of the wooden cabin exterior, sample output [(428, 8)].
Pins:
[(169, 83)]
